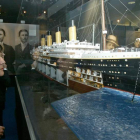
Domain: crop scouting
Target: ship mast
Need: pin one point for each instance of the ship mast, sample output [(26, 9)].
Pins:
[(104, 32)]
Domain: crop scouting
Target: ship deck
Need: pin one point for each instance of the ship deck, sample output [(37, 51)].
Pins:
[(103, 114)]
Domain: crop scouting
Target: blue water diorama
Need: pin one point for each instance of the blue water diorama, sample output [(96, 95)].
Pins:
[(104, 114)]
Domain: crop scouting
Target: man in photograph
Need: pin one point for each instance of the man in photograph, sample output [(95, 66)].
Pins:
[(23, 56), (8, 51)]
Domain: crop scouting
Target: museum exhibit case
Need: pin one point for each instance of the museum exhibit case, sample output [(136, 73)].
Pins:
[(98, 51), (84, 79)]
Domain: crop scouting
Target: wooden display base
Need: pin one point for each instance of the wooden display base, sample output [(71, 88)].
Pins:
[(79, 87)]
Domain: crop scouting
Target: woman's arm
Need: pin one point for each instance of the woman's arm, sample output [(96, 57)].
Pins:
[(5, 79)]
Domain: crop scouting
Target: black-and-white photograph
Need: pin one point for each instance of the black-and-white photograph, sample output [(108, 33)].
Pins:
[(17, 42)]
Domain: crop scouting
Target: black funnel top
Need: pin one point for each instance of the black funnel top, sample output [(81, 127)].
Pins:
[(42, 36), (49, 33)]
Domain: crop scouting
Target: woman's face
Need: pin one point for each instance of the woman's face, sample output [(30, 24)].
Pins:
[(35, 55), (2, 62)]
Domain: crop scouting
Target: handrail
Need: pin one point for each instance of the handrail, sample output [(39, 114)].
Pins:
[(29, 125)]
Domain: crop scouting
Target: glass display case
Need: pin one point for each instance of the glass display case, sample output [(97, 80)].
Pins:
[(95, 35), (89, 45), (36, 95)]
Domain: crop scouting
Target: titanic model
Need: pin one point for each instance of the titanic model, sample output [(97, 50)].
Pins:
[(87, 64)]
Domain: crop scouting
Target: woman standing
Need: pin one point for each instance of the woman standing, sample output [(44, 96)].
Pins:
[(4, 83)]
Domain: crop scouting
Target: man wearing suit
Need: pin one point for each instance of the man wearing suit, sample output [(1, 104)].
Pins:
[(23, 56), (8, 51)]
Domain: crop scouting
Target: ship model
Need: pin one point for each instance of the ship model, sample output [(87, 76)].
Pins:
[(78, 64)]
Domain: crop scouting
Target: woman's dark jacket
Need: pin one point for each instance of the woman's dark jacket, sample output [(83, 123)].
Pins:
[(4, 83)]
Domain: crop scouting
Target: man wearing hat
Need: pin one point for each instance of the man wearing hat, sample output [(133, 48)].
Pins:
[(112, 42), (137, 43)]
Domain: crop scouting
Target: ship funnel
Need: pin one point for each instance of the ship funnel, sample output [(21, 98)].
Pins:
[(49, 39), (43, 42), (58, 36), (72, 32)]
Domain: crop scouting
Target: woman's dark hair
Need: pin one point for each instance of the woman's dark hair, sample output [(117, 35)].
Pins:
[(3, 31), (23, 30), (1, 49)]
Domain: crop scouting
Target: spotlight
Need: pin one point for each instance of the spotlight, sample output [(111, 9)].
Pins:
[(131, 2), (118, 20), (1, 20), (24, 12), (44, 12), (22, 21)]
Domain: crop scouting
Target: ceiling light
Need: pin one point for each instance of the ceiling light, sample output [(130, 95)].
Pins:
[(22, 21), (118, 20), (44, 12), (1, 20), (132, 2), (24, 12)]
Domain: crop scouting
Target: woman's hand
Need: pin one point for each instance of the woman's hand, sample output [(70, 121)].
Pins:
[(1, 131)]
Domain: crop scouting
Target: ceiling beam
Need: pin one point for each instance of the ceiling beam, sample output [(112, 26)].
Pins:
[(57, 6)]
